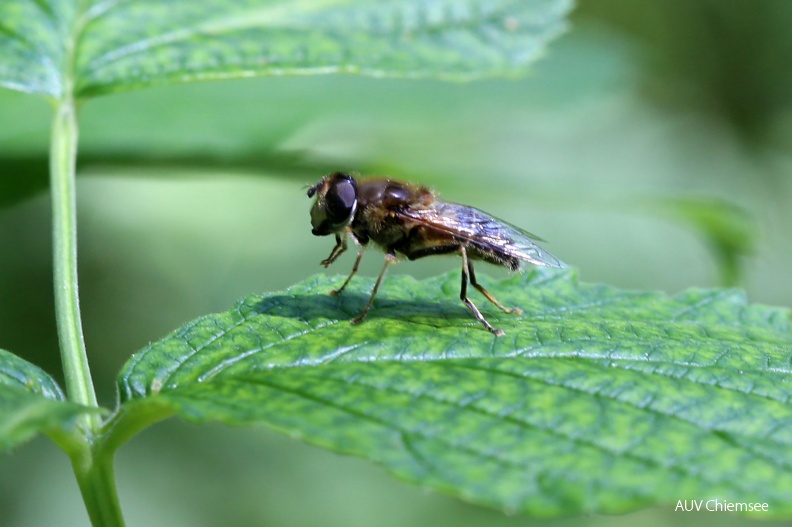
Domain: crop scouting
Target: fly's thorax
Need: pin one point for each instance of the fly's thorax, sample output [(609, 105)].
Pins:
[(380, 202), (389, 194), (378, 225)]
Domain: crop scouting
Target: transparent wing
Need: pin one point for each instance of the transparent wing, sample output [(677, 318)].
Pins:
[(479, 228)]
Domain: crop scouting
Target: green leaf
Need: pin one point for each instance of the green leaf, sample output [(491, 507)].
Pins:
[(34, 36), (596, 399), (31, 402), (100, 46)]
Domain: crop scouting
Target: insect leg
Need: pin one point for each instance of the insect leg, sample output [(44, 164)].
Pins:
[(338, 250), (463, 295), (354, 270), (486, 293), (389, 259)]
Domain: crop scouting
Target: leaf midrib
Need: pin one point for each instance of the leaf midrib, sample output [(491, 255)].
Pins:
[(130, 391)]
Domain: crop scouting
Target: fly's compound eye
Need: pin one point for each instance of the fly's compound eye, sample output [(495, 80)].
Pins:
[(336, 203), (341, 201)]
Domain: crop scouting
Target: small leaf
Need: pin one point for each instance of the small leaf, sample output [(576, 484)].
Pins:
[(30, 402), (101, 46), (19, 373), (596, 399)]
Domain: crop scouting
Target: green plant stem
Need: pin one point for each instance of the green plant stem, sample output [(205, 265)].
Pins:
[(95, 475), (63, 157), (93, 466)]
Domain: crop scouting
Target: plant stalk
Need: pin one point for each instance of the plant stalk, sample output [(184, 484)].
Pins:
[(63, 160), (93, 466), (96, 478)]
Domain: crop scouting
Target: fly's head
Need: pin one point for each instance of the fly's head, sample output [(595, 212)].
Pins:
[(335, 205)]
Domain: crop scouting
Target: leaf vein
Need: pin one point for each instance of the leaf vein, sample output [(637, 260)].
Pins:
[(671, 464), (598, 393)]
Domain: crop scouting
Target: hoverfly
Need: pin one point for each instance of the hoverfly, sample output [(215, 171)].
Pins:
[(408, 219)]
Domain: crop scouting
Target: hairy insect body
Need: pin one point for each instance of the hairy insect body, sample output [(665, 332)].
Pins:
[(410, 220), (381, 218)]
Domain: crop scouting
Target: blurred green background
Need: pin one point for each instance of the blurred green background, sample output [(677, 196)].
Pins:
[(652, 146)]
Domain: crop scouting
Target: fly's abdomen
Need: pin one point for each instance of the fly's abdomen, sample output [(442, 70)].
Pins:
[(492, 255)]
